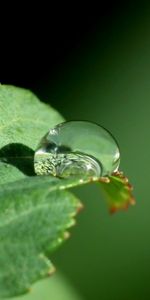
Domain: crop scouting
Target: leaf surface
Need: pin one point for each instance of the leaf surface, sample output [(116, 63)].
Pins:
[(23, 118), (35, 214), (23, 122)]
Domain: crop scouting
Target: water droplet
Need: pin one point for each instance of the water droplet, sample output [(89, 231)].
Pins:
[(77, 148)]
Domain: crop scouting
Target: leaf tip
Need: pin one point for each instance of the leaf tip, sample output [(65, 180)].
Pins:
[(132, 201), (67, 235), (51, 271), (80, 207)]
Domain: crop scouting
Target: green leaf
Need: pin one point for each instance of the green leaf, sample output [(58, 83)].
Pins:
[(23, 118), (34, 216), (23, 122), (118, 192)]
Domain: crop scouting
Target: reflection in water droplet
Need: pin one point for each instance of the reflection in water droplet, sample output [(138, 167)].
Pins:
[(77, 148)]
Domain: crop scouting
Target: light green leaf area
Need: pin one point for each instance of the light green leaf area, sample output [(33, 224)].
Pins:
[(9, 173), (35, 214), (23, 118), (35, 211), (57, 287)]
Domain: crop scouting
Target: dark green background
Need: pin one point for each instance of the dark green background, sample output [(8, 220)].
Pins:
[(107, 80)]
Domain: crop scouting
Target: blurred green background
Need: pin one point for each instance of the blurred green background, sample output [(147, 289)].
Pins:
[(107, 80)]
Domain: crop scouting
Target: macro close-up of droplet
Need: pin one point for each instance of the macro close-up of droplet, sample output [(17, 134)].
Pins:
[(77, 148)]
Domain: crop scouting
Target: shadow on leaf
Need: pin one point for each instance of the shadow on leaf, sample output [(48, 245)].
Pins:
[(20, 156)]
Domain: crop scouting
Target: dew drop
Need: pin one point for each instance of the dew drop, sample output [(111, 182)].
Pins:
[(77, 148)]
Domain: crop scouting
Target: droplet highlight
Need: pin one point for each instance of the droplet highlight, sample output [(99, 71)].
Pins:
[(77, 148)]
